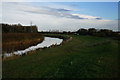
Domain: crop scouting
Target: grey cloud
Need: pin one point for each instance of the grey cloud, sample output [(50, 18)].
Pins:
[(66, 10), (58, 12), (76, 17), (55, 12), (98, 18)]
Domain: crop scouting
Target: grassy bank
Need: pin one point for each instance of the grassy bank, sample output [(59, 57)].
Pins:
[(18, 41), (81, 57)]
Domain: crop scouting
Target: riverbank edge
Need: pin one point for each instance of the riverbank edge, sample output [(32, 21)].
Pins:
[(65, 39)]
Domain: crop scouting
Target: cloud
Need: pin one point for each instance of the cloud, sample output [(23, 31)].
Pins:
[(98, 18), (63, 9), (58, 12), (60, 0), (47, 18), (87, 16)]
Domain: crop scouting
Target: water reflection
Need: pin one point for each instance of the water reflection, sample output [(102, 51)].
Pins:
[(48, 41)]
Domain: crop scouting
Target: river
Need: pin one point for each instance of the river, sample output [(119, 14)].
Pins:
[(48, 41)]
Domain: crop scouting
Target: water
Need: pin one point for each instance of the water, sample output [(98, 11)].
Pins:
[(48, 41)]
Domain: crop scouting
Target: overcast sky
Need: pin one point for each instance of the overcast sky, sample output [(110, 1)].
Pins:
[(63, 16)]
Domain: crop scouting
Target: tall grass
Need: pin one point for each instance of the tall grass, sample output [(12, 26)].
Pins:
[(19, 41)]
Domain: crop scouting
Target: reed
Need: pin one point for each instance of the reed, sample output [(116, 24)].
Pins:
[(18, 41)]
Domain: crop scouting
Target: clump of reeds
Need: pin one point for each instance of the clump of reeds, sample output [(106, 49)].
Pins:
[(18, 41)]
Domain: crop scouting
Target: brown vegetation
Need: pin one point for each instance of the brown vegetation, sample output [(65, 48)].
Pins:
[(18, 41)]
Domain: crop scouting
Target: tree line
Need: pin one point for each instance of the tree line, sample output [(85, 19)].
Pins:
[(18, 28), (6, 28), (92, 32), (95, 32)]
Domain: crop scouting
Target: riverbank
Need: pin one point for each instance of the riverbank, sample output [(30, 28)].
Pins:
[(81, 57), (18, 41), (40, 46)]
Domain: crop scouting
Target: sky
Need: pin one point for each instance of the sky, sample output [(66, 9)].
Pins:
[(62, 16), (60, 0)]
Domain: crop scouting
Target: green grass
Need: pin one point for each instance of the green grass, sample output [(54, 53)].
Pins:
[(82, 57)]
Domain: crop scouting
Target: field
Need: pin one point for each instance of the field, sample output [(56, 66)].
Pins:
[(81, 57), (18, 41)]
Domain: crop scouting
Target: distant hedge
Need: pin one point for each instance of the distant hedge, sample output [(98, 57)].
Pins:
[(17, 28)]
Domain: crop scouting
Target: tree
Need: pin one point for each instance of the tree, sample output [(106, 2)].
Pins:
[(82, 31), (106, 32), (92, 31)]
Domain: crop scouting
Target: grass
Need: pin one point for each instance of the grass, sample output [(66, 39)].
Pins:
[(18, 41), (82, 57)]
